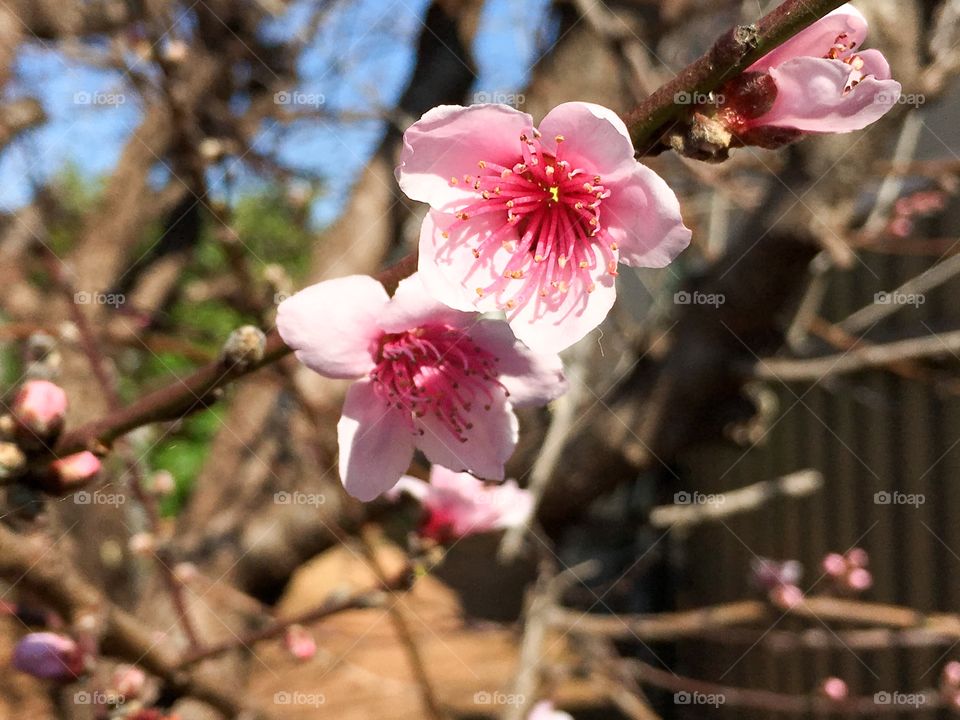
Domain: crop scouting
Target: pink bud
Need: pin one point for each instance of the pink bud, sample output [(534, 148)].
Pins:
[(48, 655), (858, 557), (786, 596), (951, 674), (163, 483), (300, 642), (75, 469), (186, 572), (141, 544), (39, 409), (859, 580), (835, 689), (129, 681), (834, 565)]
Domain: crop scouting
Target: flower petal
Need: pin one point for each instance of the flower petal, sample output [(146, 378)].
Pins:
[(815, 40), (448, 268), (642, 216), (449, 141), (490, 442), (554, 323), (595, 139), (336, 344), (811, 98), (376, 443), (531, 378), (412, 306)]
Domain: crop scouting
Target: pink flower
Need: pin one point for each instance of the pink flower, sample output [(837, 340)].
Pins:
[(300, 642), (544, 711), (457, 504), (428, 377), (821, 82), (40, 408), (533, 222), (835, 689), (49, 656)]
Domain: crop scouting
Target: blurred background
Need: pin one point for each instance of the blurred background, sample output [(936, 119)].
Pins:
[(787, 389)]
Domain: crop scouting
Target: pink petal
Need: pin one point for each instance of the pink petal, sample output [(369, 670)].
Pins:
[(412, 306), (642, 215), (448, 267), (531, 378), (511, 504), (874, 63), (544, 711), (415, 487), (810, 97), (817, 39), (376, 443), (551, 327), (595, 139), (449, 141), (332, 325), (490, 441)]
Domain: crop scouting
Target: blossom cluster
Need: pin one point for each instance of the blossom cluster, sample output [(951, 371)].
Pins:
[(519, 251)]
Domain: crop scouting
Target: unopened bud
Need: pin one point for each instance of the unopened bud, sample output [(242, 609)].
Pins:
[(786, 596), (175, 51), (951, 674), (244, 347), (835, 689), (163, 483), (39, 410), (12, 460), (49, 656), (185, 572), (76, 469), (129, 681), (300, 642), (141, 544), (859, 580), (858, 557), (834, 565), (211, 149)]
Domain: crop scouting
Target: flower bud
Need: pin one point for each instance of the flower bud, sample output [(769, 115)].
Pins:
[(12, 460), (835, 689), (48, 655), (39, 410), (142, 544), (859, 580), (163, 484), (858, 558), (300, 642), (244, 347), (834, 565), (786, 596), (951, 674), (128, 681), (73, 470)]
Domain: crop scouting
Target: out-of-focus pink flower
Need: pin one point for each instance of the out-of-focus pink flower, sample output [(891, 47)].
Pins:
[(40, 408), (129, 681), (428, 377), (544, 711), (534, 221), (786, 596), (834, 565), (835, 689), (767, 574), (951, 674), (818, 81), (859, 580), (300, 642), (858, 557), (75, 469), (457, 504), (48, 655)]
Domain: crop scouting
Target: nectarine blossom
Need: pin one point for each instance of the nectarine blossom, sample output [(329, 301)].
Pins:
[(457, 504), (532, 221), (818, 81), (428, 377)]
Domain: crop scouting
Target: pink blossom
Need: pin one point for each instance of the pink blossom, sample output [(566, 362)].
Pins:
[(534, 221), (300, 642), (835, 689), (835, 565), (40, 408), (822, 82), (428, 377), (457, 504), (544, 711), (75, 469), (48, 655)]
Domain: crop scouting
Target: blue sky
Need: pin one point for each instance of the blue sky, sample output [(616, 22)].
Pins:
[(92, 112)]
